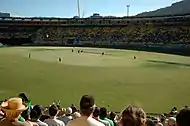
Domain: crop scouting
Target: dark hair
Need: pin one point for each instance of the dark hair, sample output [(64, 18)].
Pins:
[(103, 112), (34, 114), (183, 118), (44, 117), (23, 96), (53, 110), (112, 115), (96, 112), (133, 116), (87, 104), (38, 109), (150, 123)]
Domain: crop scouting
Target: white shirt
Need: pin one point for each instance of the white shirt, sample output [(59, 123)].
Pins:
[(40, 123), (54, 122), (85, 121)]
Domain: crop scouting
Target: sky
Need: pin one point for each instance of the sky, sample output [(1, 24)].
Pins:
[(68, 8)]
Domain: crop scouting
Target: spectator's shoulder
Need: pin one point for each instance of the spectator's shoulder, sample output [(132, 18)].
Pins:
[(95, 122), (60, 122)]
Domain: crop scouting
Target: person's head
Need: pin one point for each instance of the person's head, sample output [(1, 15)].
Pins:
[(103, 112), (183, 118), (36, 112), (23, 96), (62, 112), (13, 107), (133, 116), (96, 112), (150, 123), (53, 110), (87, 105), (172, 121), (68, 111), (162, 119), (112, 115)]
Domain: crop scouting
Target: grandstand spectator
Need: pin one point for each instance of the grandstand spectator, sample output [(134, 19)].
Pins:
[(150, 123), (183, 118), (103, 116), (35, 115), (67, 117), (171, 121), (13, 108), (112, 117), (87, 106), (25, 114), (96, 114), (74, 109), (76, 115), (133, 116), (62, 112), (53, 121)]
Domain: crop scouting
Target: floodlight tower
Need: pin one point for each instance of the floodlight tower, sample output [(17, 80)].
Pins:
[(78, 7), (128, 6)]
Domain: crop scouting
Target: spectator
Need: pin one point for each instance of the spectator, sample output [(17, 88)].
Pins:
[(172, 121), (53, 121), (67, 117), (76, 115), (112, 117), (103, 116), (35, 115), (150, 123), (183, 118), (133, 116), (62, 112), (87, 106), (96, 114), (25, 114), (13, 109), (74, 109)]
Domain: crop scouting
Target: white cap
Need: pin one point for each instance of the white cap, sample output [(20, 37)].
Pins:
[(172, 121), (69, 110)]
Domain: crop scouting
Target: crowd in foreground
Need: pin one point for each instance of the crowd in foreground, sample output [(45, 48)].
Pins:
[(18, 111)]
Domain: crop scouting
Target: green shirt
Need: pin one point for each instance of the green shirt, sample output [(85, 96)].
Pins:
[(108, 120), (21, 119)]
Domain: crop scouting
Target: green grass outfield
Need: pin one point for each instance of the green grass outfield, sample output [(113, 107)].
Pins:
[(155, 82)]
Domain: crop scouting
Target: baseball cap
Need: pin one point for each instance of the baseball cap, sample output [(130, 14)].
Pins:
[(87, 102)]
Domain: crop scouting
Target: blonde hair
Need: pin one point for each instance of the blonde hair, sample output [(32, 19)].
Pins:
[(133, 116), (12, 114)]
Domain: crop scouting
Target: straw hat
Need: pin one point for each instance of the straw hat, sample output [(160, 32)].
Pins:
[(14, 104)]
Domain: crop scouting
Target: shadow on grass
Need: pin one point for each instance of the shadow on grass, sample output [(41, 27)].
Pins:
[(169, 63)]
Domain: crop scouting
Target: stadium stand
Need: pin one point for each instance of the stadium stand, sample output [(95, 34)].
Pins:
[(134, 32)]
